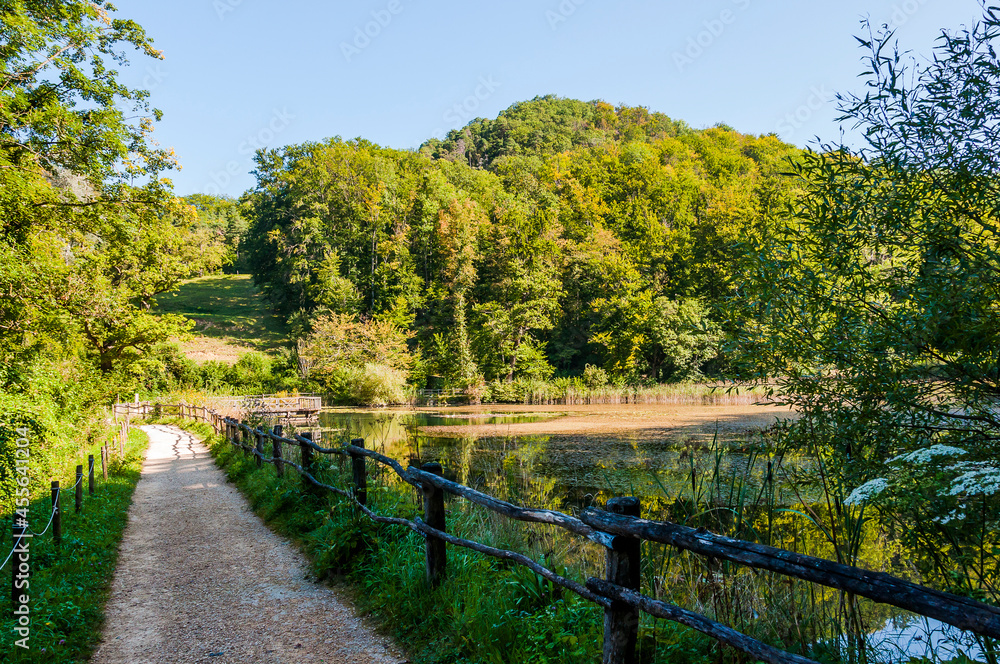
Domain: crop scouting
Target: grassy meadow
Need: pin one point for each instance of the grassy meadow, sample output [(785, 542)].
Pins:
[(229, 317)]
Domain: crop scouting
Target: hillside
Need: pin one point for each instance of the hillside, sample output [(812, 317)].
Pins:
[(562, 234), (229, 317)]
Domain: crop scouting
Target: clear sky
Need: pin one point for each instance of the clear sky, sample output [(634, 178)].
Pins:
[(245, 73)]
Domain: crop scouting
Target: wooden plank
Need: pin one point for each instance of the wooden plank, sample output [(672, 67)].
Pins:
[(276, 450), (435, 554), (513, 511), (955, 610), (56, 514), (79, 488), (727, 635)]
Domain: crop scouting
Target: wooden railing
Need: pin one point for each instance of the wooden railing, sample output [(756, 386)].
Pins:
[(619, 529), (305, 403)]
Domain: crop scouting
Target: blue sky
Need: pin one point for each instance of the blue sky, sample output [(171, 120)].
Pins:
[(239, 74)]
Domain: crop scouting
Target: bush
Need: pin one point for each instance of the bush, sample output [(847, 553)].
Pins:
[(252, 372), (370, 385), (594, 377)]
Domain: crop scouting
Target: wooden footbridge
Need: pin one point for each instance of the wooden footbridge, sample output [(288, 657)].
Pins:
[(289, 410)]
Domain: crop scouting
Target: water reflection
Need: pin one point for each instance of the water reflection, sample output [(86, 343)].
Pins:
[(655, 461), (706, 467)]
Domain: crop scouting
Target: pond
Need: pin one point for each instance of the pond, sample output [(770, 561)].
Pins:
[(576, 452), (569, 457)]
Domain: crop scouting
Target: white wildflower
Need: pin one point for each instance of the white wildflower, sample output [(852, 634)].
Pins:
[(978, 478), (925, 455), (954, 515), (868, 490)]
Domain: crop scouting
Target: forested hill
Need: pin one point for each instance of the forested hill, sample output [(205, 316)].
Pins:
[(563, 233), (549, 125)]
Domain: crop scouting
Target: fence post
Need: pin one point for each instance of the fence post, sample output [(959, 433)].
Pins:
[(104, 462), (434, 550), (360, 472), (621, 623), (79, 488), (276, 450), (157, 411), (56, 514), (260, 448), (307, 457), (90, 474), (241, 435)]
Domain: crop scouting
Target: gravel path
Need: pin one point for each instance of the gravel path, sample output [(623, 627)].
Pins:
[(201, 579)]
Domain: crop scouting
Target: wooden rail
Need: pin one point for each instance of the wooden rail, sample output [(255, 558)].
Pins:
[(619, 529)]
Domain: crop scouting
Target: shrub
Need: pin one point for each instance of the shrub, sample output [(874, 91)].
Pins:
[(370, 385), (594, 377)]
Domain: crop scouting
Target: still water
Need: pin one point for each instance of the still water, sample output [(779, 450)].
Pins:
[(576, 452)]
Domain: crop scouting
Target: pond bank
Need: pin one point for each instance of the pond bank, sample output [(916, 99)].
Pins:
[(637, 421)]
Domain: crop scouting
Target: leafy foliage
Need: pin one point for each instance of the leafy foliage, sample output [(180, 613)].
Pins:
[(580, 234), (82, 249), (877, 308)]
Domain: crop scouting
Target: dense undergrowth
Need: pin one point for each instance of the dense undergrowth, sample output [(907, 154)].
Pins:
[(70, 583)]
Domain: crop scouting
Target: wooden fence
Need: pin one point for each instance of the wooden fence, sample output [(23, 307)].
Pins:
[(618, 528), (269, 403), (19, 568), (299, 410)]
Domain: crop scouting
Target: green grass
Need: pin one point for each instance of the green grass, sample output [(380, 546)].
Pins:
[(227, 307), (70, 583)]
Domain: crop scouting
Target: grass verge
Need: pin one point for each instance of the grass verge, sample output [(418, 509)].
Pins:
[(70, 584)]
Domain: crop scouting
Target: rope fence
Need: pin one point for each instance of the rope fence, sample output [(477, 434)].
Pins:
[(19, 523)]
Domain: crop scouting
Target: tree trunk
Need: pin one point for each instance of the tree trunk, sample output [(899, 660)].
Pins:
[(513, 355)]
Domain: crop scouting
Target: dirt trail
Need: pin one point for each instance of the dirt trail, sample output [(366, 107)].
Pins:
[(201, 579)]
